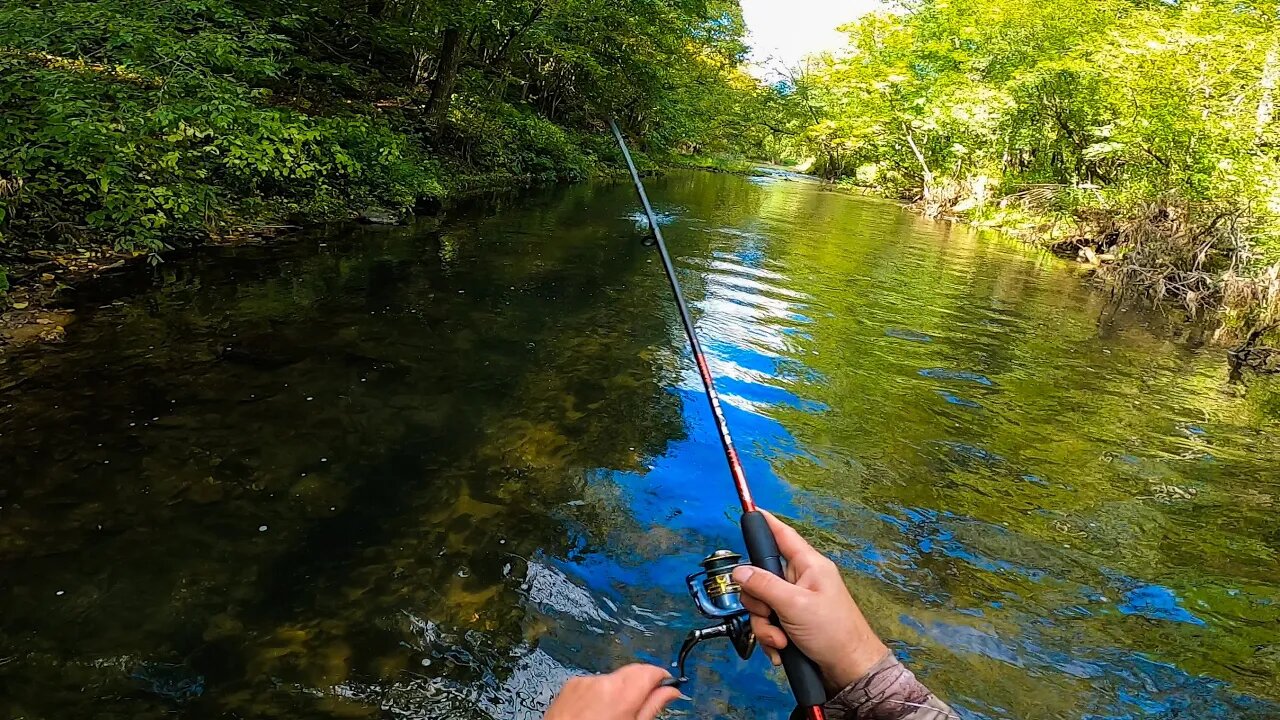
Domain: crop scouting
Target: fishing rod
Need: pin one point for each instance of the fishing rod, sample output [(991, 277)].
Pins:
[(712, 588)]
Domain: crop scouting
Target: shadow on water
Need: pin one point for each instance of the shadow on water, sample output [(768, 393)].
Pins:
[(432, 471)]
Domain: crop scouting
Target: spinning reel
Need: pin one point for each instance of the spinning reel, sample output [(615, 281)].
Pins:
[(719, 598)]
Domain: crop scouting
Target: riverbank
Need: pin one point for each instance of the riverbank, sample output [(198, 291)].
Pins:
[(129, 129), (1197, 258), (31, 306)]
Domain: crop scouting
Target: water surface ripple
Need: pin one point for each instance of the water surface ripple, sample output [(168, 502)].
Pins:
[(430, 472)]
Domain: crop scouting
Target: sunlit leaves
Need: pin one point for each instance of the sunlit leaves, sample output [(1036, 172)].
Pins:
[(1141, 101)]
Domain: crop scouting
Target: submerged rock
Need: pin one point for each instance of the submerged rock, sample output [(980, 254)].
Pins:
[(380, 216), (1258, 359), (966, 375), (53, 335), (170, 681)]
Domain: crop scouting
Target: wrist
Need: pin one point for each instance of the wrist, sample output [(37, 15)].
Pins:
[(854, 665)]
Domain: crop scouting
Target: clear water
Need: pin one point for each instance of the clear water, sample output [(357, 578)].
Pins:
[(430, 472)]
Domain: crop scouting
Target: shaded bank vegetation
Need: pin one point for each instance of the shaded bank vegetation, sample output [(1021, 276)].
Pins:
[(1140, 135), (139, 125)]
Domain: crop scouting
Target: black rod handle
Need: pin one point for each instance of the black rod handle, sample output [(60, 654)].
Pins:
[(802, 673)]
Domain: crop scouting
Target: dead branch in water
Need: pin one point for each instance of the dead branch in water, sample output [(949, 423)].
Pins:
[(1195, 254)]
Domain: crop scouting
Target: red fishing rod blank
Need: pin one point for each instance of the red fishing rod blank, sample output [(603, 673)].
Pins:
[(802, 673)]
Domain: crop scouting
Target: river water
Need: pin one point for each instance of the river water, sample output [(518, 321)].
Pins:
[(430, 472)]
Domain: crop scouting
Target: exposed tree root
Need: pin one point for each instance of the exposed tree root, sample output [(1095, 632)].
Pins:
[(1195, 255)]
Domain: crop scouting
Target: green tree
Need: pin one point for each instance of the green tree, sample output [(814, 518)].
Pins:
[(145, 123), (1148, 127)]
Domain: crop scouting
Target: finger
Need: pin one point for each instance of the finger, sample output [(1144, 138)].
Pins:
[(768, 634), (774, 656), (755, 606), (794, 548), (634, 683), (657, 700), (769, 588)]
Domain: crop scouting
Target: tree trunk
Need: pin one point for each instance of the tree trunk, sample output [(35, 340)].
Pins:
[(418, 70), (925, 172), (503, 56), (1266, 103), (446, 77)]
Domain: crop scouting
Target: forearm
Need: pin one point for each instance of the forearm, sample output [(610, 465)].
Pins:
[(888, 691)]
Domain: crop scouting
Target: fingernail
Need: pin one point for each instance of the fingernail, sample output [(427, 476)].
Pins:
[(743, 573)]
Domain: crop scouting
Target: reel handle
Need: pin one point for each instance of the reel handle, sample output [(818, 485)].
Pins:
[(802, 673)]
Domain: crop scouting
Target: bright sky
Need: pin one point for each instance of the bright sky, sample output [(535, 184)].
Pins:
[(782, 32)]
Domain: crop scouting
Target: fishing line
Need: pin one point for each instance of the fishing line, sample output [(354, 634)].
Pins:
[(712, 588)]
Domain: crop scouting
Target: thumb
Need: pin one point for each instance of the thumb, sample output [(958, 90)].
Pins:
[(657, 700), (777, 593)]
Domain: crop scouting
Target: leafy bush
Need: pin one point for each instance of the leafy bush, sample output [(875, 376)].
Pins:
[(145, 123), (163, 135), (493, 134)]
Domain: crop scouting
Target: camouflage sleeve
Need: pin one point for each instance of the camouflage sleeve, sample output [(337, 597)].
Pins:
[(889, 691)]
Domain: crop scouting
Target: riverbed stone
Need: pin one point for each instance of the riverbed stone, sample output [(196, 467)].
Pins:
[(380, 216)]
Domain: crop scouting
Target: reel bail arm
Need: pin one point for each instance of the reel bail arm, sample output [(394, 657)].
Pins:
[(718, 597)]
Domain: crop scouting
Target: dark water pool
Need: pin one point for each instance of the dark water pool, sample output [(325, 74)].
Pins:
[(430, 472)]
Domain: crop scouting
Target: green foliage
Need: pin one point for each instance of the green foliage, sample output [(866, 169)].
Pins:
[(145, 123), (1128, 100), (161, 135), (1147, 129), (735, 164), (516, 140)]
